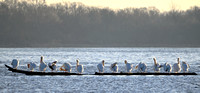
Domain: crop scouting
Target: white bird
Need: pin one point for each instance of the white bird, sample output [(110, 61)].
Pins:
[(167, 67), (177, 66), (79, 67), (129, 66), (156, 66), (15, 63), (43, 65), (114, 67), (66, 67), (52, 65), (100, 67), (185, 67), (31, 66), (141, 67)]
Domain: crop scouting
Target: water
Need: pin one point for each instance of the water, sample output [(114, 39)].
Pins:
[(90, 57)]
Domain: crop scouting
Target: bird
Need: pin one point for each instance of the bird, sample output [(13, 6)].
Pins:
[(43, 65), (66, 67), (100, 66), (141, 67), (185, 67), (114, 67), (15, 63), (177, 66), (156, 66), (52, 65), (129, 66), (79, 67), (31, 66), (167, 67)]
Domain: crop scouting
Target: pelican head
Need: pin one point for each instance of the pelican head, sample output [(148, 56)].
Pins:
[(125, 61), (184, 62), (178, 60), (103, 62), (55, 62), (41, 59), (154, 60), (77, 62), (28, 65)]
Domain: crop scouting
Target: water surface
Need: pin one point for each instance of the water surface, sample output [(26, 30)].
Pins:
[(90, 57)]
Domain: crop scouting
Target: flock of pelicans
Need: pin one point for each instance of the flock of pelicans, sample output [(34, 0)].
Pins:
[(141, 67)]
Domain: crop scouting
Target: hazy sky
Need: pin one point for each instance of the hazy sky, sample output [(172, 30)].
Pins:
[(162, 5)]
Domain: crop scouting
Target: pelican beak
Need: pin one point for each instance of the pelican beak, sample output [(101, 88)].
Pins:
[(136, 67), (61, 68)]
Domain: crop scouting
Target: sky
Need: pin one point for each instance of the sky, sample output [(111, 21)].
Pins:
[(162, 5)]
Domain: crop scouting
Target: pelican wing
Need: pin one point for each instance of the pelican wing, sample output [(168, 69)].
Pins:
[(15, 63), (80, 68), (67, 67), (100, 67)]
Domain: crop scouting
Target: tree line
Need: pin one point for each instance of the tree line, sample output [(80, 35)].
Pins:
[(24, 24)]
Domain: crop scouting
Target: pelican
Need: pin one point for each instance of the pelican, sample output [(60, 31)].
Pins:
[(141, 67), (156, 66), (177, 66), (66, 67), (185, 67), (129, 66), (79, 68), (15, 63), (52, 65), (114, 67), (100, 67), (167, 67), (43, 65), (31, 66)]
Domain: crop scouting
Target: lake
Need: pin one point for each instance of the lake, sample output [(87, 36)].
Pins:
[(90, 57)]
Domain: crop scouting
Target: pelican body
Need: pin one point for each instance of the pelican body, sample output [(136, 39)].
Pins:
[(141, 67), (177, 66), (31, 66), (185, 67), (129, 66), (15, 63), (114, 67), (66, 67), (79, 67), (156, 66), (43, 65), (167, 67), (52, 65), (100, 67)]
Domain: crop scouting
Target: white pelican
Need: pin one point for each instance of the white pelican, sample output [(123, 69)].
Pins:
[(177, 66), (15, 63), (114, 67), (185, 67), (156, 66), (43, 65), (141, 67), (100, 67), (31, 66), (129, 66), (167, 67), (79, 68), (52, 65), (66, 67)]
